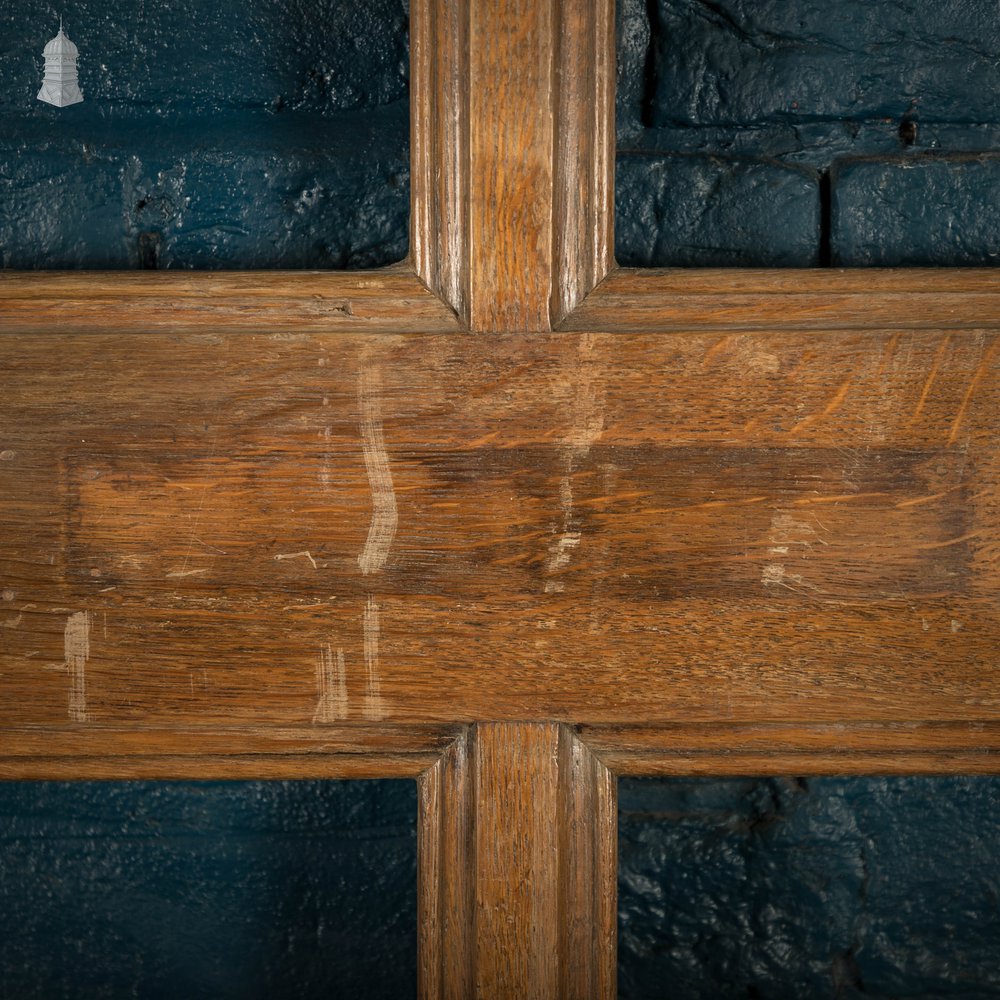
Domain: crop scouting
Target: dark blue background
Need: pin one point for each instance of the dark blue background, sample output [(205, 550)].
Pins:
[(213, 134), (808, 132), (204, 891)]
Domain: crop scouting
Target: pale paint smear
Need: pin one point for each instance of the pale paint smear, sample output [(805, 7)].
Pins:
[(76, 644), (373, 688), (384, 516), (586, 427), (282, 556), (331, 679)]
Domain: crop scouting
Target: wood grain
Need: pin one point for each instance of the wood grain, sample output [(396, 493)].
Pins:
[(213, 303), (439, 138), (798, 748), (95, 751), (540, 178), (675, 301), (584, 151), (729, 528), (446, 883), (520, 832)]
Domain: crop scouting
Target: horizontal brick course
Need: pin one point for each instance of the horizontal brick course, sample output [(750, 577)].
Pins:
[(691, 211), (916, 211)]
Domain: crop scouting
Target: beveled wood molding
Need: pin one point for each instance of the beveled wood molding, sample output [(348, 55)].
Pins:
[(517, 887), (723, 749), (684, 300), (276, 303), (513, 146), (86, 751)]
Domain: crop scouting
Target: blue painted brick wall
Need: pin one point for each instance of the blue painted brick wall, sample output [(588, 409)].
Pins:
[(212, 135), (207, 891), (891, 108)]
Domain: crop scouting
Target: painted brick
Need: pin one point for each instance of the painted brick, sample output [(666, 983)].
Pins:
[(690, 211), (207, 891), (152, 59), (830, 888), (333, 195), (744, 61), (921, 210)]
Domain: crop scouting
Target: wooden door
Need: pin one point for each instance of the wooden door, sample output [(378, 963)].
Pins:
[(505, 519)]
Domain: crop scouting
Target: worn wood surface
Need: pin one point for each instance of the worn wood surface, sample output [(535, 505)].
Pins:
[(253, 531), (518, 877), (213, 303), (681, 301), (539, 102), (302, 525)]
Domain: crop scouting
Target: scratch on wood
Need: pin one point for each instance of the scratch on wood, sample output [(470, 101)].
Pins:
[(331, 679), (586, 428), (970, 392), (325, 475), (187, 572), (295, 555), (932, 374), (382, 530), (76, 646), (838, 398), (373, 690)]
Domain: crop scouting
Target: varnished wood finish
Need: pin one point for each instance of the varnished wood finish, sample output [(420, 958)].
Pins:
[(723, 748), (209, 304), (708, 527), (682, 301), (302, 525), (518, 832)]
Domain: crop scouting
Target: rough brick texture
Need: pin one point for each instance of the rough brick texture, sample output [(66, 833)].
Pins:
[(735, 62), (704, 211), (828, 888), (819, 85), (916, 211), (221, 891), (224, 135)]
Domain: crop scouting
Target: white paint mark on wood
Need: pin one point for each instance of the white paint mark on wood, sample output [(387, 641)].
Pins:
[(325, 473), (956, 626), (295, 555), (587, 416), (384, 515), (773, 573), (14, 622), (331, 680), (373, 682), (586, 427), (76, 647)]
